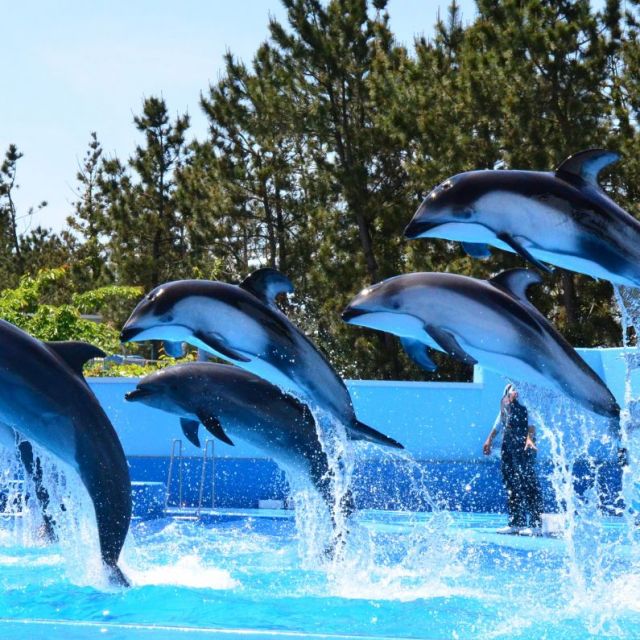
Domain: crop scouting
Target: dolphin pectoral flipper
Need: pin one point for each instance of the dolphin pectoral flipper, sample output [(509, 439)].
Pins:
[(449, 344), (215, 342), (478, 250), (173, 349), (521, 251), (190, 430), (418, 353), (214, 427), (75, 353), (587, 165), (361, 431)]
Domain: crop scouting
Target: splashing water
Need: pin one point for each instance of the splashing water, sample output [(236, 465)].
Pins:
[(420, 563), (596, 559), (69, 507)]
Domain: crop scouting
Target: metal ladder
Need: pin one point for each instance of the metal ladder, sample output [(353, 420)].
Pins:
[(208, 445), (176, 444), (178, 458)]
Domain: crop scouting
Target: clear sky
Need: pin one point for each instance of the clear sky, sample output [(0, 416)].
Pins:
[(73, 66)]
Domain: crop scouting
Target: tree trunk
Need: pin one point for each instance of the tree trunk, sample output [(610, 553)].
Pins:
[(367, 247), (569, 298), (281, 232)]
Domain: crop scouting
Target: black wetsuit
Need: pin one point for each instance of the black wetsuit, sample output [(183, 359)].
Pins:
[(518, 468)]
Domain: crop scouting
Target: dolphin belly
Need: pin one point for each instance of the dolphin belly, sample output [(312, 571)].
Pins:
[(462, 232), (402, 325)]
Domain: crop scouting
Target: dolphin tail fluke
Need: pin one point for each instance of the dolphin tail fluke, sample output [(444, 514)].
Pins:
[(361, 431), (116, 577)]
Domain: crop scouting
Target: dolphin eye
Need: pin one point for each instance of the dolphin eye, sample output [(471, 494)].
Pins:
[(168, 318), (464, 213)]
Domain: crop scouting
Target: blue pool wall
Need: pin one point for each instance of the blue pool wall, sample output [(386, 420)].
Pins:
[(441, 424)]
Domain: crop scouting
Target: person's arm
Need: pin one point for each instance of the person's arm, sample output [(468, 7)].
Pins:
[(497, 427)]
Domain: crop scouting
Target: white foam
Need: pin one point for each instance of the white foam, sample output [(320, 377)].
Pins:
[(189, 571)]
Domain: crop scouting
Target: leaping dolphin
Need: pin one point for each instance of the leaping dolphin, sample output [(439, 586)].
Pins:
[(562, 217), (46, 399), (241, 324), (230, 403), (479, 321)]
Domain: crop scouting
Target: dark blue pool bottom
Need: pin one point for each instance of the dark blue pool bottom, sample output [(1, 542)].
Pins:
[(387, 485)]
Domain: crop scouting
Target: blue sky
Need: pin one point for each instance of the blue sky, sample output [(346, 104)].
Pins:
[(72, 67)]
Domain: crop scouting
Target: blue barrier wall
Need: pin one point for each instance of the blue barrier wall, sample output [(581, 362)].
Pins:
[(442, 425)]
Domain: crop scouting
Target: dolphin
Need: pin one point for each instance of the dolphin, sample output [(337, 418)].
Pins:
[(562, 217), (46, 399), (231, 402), (241, 324), (479, 321)]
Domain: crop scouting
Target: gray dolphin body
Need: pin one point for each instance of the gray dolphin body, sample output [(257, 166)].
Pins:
[(479, 321), (241, 324), (45, 398), (230, 403), (562, 217)]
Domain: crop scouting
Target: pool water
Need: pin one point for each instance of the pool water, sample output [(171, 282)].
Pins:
[(250, 574)]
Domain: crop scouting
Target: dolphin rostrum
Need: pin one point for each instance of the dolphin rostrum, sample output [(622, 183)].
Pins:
[(46, 399), (562, 217), (230, 403), (478, 321), (241, 324)]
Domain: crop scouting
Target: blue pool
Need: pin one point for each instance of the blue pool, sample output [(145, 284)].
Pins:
[(422, 559), (249, 574)]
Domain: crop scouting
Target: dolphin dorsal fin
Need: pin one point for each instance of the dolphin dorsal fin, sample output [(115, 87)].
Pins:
[(587, 165), (516, 282), (266, 283), (75, 353)]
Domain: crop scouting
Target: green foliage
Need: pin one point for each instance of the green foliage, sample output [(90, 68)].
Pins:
[(319, 150), (26, 307), (133, 370)]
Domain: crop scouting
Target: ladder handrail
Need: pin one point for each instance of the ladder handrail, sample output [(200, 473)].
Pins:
[(203, 474), (176, 441)]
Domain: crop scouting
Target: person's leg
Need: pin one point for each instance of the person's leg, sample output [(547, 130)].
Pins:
[(533, 495), (519, 491), (510, 485)]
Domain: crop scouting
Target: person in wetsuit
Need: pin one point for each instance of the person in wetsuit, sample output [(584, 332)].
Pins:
[(518, 465)]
